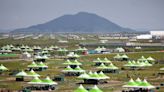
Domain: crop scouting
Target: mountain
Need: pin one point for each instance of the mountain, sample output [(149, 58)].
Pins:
[(80, 22), (5, 30)]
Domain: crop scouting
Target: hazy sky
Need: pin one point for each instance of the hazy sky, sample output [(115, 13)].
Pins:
[(148, 14)]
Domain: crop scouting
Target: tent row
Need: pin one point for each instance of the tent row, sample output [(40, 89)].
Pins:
[(46, 81), (39, 65), (110, 66), (95, 75), (76, 70), (74, 62), (138, 63), (138, 83), (93, 89), (105, 60), (31, 73)]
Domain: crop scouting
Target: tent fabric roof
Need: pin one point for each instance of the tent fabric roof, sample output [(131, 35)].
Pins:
[(138, 84), (80, 89), (22, 73), (95, 89), (3, 68)]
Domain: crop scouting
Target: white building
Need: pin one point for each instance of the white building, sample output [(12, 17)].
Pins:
[(157, 33), (144, 36)]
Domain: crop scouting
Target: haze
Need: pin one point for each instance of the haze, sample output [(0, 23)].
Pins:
[(135, 14)]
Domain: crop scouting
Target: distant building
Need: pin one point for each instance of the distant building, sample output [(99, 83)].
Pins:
[(157, 33), (144, 37)]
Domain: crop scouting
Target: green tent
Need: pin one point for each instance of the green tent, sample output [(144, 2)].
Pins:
[(101, 74), (130, 84), (22, 73), (32, 65), (117, 56), (75, 62), (97, 60), (142, 58), (84, 76), (3, 68), (119, 49), (78, 69), (106, 60), (79, 49), (98, 49), (146, 85), (41, 64), (147, 63), (95, 89), (95, 75), (124, 56), (48, 81), (150, 59), (102, 66), (67, 62), (162, 68), (67, 69), (90, 73), (85, 49), (138, 81), (32, 74), (80, 89), (113, 67), (129, 64), (36, 80)]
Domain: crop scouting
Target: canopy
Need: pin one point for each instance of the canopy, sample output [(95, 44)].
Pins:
[(79, 69), (97, 60), (3, 68), (131, 83), (111, 66), (124, 56), (33, 74), (48, 81), (32, 65), (22, 73), (106, 60), (36, 80), (117, 56), (162, 68), (150, 58), (41, 64), (95, 89), (145, 84), (103, 75), (68, 69), (80, 89), (142, 58), (138, 84), (75, 62), (84, 76)]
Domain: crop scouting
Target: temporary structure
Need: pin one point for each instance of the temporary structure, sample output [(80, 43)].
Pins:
[(139, 84), (32, 74), (48, 81), (95, 89), (80, 89), (3, 68), (32, 65), (21, 74), (131, 84), (36, 80)]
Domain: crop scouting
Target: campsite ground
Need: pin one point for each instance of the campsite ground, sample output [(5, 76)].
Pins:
[(71, 83), (114, 83)]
